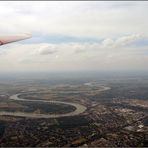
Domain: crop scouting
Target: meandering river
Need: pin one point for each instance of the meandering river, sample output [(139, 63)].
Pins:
[(79, 108)]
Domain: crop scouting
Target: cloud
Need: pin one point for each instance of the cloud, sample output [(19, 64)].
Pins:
[(125, 40), (74, 35), (122, 41), (78, 19), (45, 49), (108, 43), (69, 56)]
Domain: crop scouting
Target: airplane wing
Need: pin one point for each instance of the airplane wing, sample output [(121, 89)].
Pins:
[(10, 39)]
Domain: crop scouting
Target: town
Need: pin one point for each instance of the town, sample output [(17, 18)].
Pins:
[(103, 121)]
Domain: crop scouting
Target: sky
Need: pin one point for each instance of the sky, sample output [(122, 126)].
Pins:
[(75, 35)]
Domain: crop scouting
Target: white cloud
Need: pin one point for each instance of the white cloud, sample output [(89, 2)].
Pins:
[(117, 24), (102, 55), (108, 43), (45, 49), (128, 39), (122, 41), (95, 19)]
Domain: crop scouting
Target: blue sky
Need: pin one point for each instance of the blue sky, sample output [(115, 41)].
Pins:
[(57, 39)]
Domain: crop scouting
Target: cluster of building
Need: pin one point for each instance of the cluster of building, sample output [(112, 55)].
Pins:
[(115, 123)]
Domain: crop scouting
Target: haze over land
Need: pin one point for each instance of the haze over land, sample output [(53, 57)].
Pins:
[(74, 36)]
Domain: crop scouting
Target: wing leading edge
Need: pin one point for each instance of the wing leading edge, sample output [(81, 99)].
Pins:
[(10, 39)]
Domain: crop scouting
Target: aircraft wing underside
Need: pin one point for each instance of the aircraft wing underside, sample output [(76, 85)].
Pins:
[(10, 39)]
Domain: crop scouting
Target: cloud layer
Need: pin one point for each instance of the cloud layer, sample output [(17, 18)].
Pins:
[(75, 35)]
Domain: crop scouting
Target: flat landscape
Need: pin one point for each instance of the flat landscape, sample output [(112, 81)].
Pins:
[(102, 112)]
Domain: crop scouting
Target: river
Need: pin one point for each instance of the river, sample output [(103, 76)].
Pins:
[(79, 108)]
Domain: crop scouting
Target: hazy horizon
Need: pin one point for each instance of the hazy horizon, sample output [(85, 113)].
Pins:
[(72, 75)]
